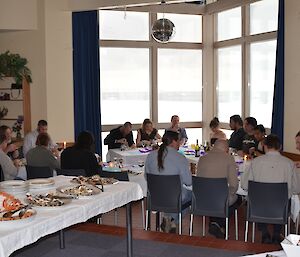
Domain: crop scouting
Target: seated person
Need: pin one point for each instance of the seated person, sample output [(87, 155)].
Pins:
[(30, 138), (271, 167), (237, 136), (147, 134), (175, 127), (218, 163), (120, 136), (41, 156), (81, 155), (167, 161), (217, 133), (249, 140), (11, 149), (9, 167), (259, 134)]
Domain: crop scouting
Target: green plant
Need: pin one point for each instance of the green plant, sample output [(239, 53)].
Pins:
[(13, 65)]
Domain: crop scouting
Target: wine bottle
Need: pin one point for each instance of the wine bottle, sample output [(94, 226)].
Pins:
[(197, 149)]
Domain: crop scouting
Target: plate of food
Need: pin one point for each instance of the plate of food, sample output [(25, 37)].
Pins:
[(81, 190), (49, 200), (95, 180), (13, 210)]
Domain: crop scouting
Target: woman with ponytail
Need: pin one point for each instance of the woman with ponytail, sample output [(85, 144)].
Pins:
[(167, 161)]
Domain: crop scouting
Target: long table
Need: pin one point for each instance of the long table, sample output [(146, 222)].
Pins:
[(15, 235)]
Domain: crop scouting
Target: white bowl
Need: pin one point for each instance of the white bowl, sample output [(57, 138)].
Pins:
[(290, 246)]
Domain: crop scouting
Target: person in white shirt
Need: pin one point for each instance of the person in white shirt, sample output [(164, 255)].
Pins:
[(9, 167), (30, 138), (272, 168)]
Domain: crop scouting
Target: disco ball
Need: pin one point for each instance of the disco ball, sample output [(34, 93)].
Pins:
[(163, 30)]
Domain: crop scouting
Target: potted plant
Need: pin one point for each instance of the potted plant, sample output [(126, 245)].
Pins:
[(13, 65)]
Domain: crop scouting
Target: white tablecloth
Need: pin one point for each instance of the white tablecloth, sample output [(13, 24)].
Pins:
[(130, 157), (16, 235)]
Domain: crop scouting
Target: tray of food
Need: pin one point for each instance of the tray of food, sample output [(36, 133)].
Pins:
[(79, 190), (49, 200), (94, 180)]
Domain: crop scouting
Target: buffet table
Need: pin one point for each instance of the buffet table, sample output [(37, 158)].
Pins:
[(15, 235)]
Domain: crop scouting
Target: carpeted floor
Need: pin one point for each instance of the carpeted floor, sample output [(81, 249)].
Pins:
[(89, 244)]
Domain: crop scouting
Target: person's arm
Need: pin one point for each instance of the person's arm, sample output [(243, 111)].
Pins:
[(295, 183), (186, 175), (112, 141), (158, 136), (54, 163), (94, 166), (27, 145), (246, 176), (8, 167), (130, 140), (138, 138), (232, 176)]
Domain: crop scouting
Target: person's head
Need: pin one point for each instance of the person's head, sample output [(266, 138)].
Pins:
[(85, 141), (214, 124), (259, 132), (170, 138), (126, 128), (42, 126), (5, 130), (298, 141), (272, 143), (147, 125), (235, 122), (249, 124), (222, 145), (175, 120), (43, 139), (3, 141)]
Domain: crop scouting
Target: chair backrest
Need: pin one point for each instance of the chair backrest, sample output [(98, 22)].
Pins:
[(164, 193), (210, 197), (38, 172), (121, 176), (71, 172), (1, 174), (267, 202)]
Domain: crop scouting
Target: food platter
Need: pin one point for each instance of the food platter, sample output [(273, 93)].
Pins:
[(95, 180), (40, 183), (47, 201), (79, 190)]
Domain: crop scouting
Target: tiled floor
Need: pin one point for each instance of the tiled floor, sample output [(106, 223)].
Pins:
[(196, 239)]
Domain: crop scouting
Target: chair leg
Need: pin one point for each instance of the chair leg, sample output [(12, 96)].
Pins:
[(180, 224), (143, 213), (191, 224), (99, 220), (236, 225), (246, 231), (297, 225), (285, 230), (147, 220), (289, 226), (116, 217), (226, 236), (203, 226), (157, 221), (61, 239), (253, 231)]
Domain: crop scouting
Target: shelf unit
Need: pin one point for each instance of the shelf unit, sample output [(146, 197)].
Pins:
[(15, 106)]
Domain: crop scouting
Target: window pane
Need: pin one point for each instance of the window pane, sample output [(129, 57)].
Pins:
[(117, 25), (262, 76), (179, 84), (229, 24), (263, 16), (124, 78), (229, 85), (188, 27)]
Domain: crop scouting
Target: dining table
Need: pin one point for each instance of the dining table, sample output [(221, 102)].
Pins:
[(16, 234)]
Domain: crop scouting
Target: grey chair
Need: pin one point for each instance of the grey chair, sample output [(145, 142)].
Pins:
[(210, 198), (38, 172), (71, 172), (267, 203), (1, 174), (164, 195)]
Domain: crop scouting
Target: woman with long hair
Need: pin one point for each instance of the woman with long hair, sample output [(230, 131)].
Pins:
[(216, 132), (147, 134), (167, 161)]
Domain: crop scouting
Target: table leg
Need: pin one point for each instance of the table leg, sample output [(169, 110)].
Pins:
[(61, 239), (129, 230)]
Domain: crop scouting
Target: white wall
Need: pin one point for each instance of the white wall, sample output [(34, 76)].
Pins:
[(20, 15)]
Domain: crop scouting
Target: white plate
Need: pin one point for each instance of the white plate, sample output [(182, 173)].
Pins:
[(66, 202), (62, 190), (10, 223), (40, 182), (13, 184)]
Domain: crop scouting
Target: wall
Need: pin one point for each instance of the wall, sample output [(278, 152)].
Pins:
[(16, 14), (292, 73)]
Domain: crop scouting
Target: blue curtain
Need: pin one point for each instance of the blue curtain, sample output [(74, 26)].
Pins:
[(278, 99), (86, 74)]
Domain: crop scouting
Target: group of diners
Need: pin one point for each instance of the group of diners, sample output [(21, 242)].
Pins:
[(146, 135)]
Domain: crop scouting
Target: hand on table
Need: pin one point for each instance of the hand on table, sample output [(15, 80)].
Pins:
[(122, 141), (297, 164), (11, 148)]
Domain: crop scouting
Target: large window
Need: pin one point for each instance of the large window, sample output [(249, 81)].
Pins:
[(245, 49), (179, 84)]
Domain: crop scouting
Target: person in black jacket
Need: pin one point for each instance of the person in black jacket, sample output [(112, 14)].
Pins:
[(81, 155), (120, 136)]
